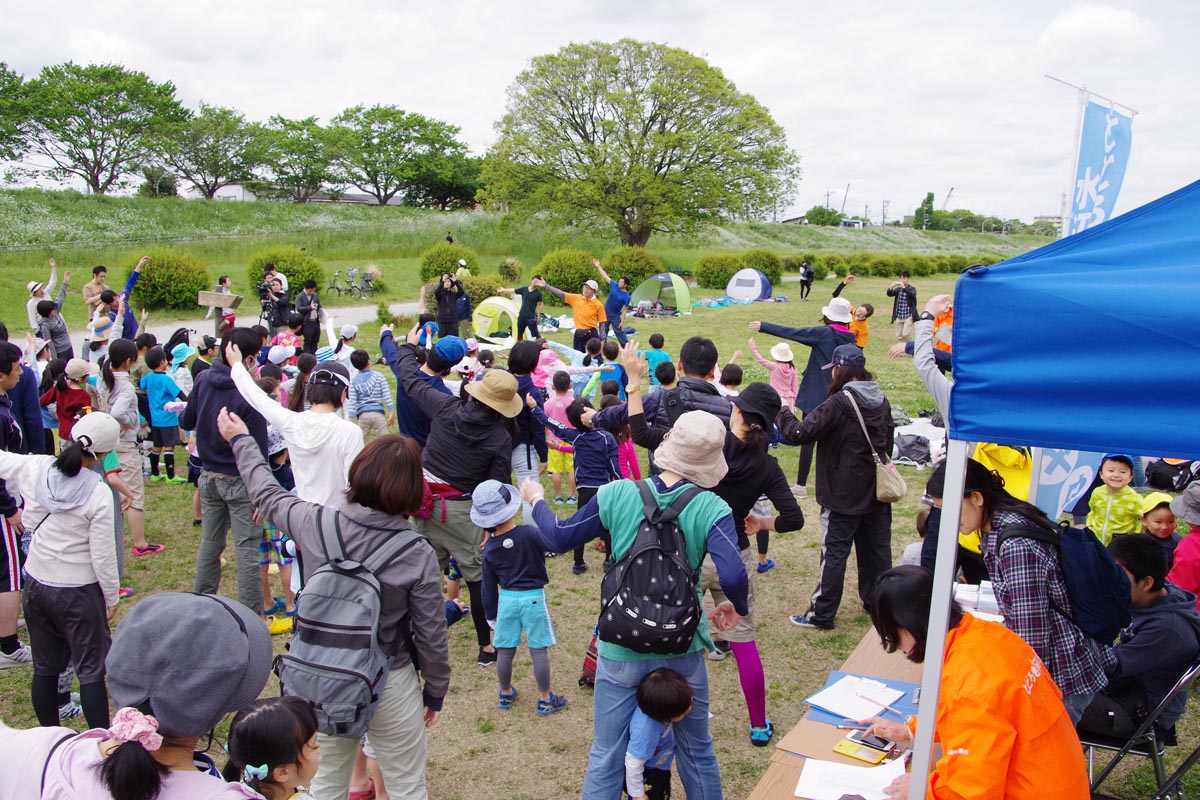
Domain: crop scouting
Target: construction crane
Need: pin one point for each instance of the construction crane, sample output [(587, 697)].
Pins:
[(946, 199)]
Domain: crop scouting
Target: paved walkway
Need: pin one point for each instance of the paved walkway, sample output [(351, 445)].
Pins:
[(342, 315)]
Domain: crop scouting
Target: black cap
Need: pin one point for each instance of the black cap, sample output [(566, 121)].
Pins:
[(761, 401)]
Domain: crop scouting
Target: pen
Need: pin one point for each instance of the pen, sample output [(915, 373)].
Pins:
[(852, 727), (873, 700)]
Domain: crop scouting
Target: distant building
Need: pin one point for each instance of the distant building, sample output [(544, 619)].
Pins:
[(235, 192), (794, 221), (852, 223)]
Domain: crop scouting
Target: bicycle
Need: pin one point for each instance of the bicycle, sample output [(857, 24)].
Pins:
[(359, 287), (336, 286)]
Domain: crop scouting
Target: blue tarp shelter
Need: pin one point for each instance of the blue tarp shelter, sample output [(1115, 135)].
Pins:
[(1089, 343)]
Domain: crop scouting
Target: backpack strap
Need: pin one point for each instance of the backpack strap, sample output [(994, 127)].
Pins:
[(50, 755), (1034, 532), (329, 527), (392, 549), (655, 513), (863, 425)]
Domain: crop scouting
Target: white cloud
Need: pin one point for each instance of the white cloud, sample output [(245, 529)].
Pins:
[(896, 101)]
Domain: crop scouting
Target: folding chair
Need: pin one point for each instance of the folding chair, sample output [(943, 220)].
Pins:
[(1171, 789), (1146, 740)]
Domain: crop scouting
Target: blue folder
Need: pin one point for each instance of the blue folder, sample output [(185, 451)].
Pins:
[(906, 705)]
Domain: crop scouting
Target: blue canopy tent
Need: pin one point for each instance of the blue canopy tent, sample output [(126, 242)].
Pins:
[(1089, 343)]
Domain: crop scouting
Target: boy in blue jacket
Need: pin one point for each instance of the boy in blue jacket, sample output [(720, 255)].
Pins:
[(596, 459)]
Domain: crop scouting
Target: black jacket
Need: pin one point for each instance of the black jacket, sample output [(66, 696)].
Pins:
[(662, 408), (911, 292), (468, 441), (447, 300), (845, 467), (752, 474), (212, 391)]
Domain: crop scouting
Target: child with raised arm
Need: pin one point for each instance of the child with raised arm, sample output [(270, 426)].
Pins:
[(664, 698), (784, 378), (514, 594)]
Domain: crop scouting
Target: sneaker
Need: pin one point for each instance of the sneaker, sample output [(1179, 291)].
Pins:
[(600, 546), (799, 492), (722, 650), (761, 737), (196, 523), (277, 625), (486, 659), (125, 592), (177, 479), (18, 658), (767, 566), (70, 710), (579, 569), (558, 499), (806, 621), (148, 549), (547, 707), (157, 478), (572, 499), (507, 700), (550, 554)]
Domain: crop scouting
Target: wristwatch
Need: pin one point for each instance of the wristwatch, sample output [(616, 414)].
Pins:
[(925, 315)]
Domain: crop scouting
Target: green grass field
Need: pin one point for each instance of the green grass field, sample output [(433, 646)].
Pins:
[(522, 755)]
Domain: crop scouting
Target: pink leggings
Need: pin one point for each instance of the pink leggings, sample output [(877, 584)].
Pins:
[(754, 683)]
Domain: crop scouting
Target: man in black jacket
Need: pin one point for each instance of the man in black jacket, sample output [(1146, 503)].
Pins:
[(308, 305), (224, 502), (693, 392), (447, 293), (904, 306)]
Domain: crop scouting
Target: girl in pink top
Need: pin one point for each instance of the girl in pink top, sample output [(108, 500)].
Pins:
[(784, 378)]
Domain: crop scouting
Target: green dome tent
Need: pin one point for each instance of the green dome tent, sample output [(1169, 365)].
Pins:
[(667, 288)]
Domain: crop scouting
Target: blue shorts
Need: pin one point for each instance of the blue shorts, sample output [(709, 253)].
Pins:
[(523, 611)]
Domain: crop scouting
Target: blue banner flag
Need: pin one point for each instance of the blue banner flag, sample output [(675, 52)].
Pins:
[(1104, 144), (1064, 478)]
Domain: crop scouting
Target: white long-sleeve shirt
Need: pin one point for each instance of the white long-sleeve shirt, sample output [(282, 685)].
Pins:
[(321, 446), (73, 547)]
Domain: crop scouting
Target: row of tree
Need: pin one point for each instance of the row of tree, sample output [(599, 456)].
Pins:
[(630, 138), (101, 123), (926, 217)]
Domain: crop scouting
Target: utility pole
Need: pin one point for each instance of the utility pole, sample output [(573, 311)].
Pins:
[(827, 194), (844, 198), (866, 211), (883, 214)]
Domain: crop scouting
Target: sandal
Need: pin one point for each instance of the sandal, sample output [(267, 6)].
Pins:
[(363, 794), (761, 737), (148, 549), (275, 608)]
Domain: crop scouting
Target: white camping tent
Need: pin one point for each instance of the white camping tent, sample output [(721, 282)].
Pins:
[(749, 284)]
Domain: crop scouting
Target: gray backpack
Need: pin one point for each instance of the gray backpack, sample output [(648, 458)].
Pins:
[(335, 659)]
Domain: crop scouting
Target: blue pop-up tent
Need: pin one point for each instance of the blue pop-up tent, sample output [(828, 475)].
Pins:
[(1089, 343)]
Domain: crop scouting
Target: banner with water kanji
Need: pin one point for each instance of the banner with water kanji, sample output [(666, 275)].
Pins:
[(1104, 144)]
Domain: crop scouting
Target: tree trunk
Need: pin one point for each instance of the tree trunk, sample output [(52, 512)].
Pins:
[(635, 237)]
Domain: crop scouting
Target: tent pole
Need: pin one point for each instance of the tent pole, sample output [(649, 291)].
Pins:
[(1035, 475), (939, 615)]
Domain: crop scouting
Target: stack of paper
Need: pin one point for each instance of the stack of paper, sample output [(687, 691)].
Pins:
[(855, 698), (825, 780)]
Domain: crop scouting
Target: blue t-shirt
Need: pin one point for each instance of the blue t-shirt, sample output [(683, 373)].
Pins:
[(653, 742), (653, 359), (160, 389), (617, 299)]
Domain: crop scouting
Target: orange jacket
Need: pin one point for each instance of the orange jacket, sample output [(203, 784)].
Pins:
[(1001, 721), (941, 338), (861, 330)]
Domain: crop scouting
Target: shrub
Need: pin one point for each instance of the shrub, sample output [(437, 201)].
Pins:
[(478, 288), (444, 257), (714, 271), (171, 279), (297, 264), (566, 269), (510, 270), (833, 263), (634, 263), (764, 261)]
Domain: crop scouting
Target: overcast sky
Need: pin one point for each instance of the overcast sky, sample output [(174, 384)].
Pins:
[(896, 99)]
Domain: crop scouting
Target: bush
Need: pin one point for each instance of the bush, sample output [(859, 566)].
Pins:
[(171, 279), (297, 264), (714, 271), (566, 269), (444, 257), (766, 262), (634, 263), (478, 288), (510, 270)]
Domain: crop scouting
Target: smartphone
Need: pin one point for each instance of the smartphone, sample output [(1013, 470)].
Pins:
[(874, 742)]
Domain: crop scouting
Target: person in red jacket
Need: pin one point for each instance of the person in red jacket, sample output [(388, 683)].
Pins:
[(1004, 730)]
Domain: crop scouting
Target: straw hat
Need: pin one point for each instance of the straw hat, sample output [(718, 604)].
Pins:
[(498, 391), (694, 449)]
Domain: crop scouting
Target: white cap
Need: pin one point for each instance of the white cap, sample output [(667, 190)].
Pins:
[(462, 262), (349, 331), (595, 286)]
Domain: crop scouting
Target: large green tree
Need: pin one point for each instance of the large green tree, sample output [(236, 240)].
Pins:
[(635, 138), (98, 122), (298, 154), (384, 150), (822, 215), (12, 114), (213, 148), (448, 183)]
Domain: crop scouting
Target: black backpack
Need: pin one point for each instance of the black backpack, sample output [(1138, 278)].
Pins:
[(648, 601), (1162, 474), (1098, 586)]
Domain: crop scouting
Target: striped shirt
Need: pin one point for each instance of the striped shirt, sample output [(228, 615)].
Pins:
[(368, 392)]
